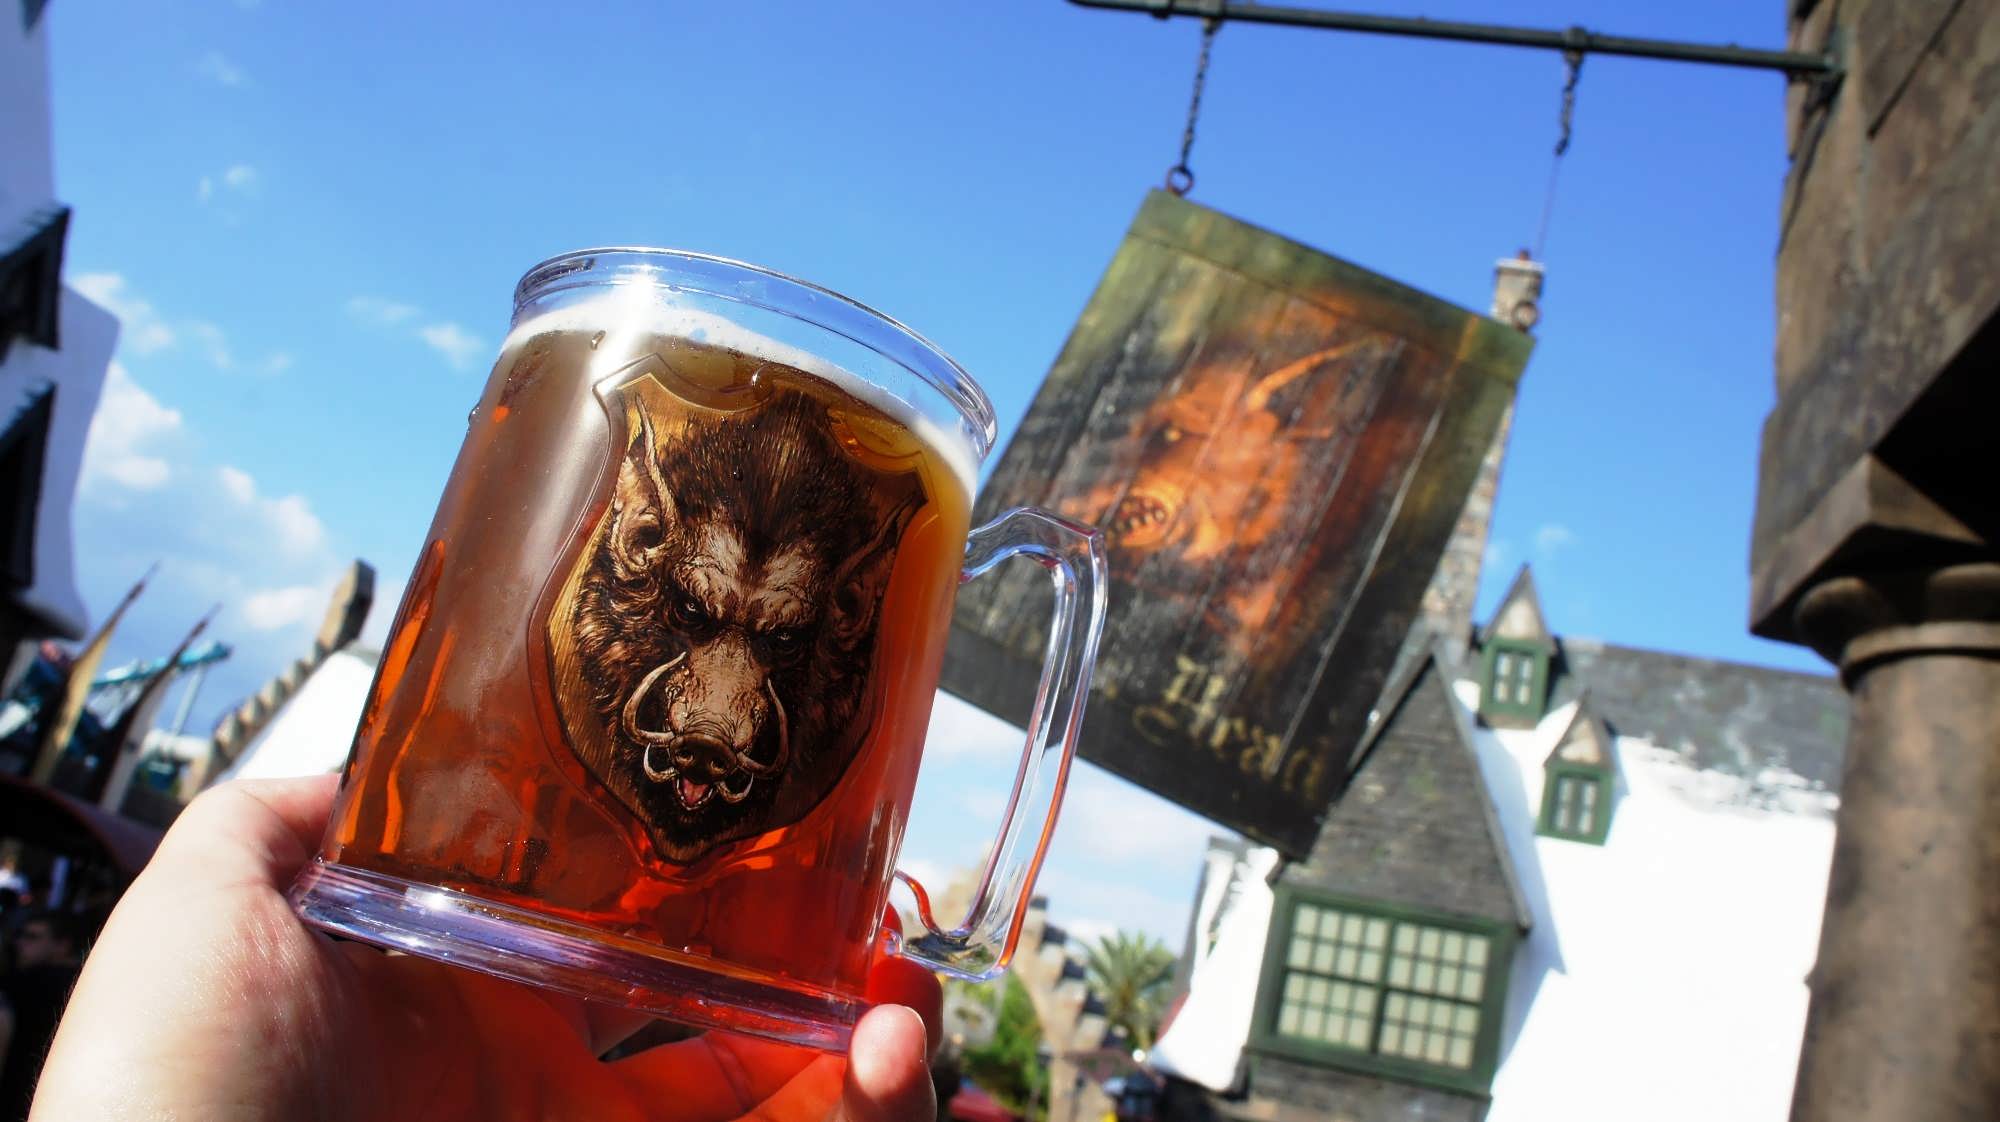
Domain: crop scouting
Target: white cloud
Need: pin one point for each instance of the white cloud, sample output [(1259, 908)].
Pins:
[(985, 805), (238, 483), (960, 729), (214, 344), (461, 348), (128, 421), (1553, 537), (143, 330), (299, 529), (1086, 905), (934, 876), (219, 537), (458, 346), (237, 179), (220, 70), (276, 608), (378, 312), (1085, 933), (288, 521), (1112, 820), (1498, 553), (139, 473)]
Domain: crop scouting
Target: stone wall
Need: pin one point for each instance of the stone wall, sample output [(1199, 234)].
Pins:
[(1887, 290)]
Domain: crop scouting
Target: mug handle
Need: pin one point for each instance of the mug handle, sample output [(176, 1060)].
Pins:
[(980, 946)]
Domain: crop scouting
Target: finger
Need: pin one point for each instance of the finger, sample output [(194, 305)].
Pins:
[(756, 1070), (888, 1077), (899, 981), (609, 1026), (261, 830), (719, 1075), (884, 1078)]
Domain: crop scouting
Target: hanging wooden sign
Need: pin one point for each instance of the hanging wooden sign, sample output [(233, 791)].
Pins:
[(1277, 444)]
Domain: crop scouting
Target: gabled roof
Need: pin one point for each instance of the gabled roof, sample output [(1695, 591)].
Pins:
[(1416, 823), (1586, 742), (1729, 717), (1519, 618), (311, 733)]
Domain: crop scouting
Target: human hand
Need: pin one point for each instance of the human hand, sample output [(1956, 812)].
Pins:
[(207, 998)]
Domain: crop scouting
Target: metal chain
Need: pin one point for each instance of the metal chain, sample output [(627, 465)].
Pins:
[(1180, 177), (1573, 59)]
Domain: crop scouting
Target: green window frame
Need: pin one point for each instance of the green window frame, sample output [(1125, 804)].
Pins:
[(1516, 679), (1576, 804), (1383, 989)]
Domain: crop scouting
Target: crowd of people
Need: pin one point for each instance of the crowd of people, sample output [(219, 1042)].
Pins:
[(41, 953)]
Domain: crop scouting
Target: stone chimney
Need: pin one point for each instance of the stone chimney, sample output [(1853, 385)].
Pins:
[(1517, 291)]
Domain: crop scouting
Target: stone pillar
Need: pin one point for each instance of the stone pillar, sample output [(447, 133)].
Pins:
[(1905, 1018), (1877, 540)]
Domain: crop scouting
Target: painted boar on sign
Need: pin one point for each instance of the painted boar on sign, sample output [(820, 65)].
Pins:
[(1277, 444)]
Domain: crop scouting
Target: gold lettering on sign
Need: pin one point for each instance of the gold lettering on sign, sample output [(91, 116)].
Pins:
[(1191, 708)]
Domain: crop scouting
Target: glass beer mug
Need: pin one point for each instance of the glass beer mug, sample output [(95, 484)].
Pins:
[(647, 724)]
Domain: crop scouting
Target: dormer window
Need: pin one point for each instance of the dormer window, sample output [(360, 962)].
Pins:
[(1515, 652), (31, 282), (1575, 806), (1579, 782)]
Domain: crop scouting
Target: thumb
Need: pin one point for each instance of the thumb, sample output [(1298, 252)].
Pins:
[(888, 1077), (254, 831)]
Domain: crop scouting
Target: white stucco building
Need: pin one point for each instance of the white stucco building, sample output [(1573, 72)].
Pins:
[(55, 348), (1566, 881)]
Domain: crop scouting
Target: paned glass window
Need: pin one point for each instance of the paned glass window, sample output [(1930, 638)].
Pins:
[(1577, 804), (1390, 987)]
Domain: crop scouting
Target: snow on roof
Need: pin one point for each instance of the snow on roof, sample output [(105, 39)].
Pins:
[(1204, 1044), (312, 733), (1680, 945), (1775, 729)]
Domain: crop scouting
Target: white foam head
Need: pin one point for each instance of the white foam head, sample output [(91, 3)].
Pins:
[(629, 313)]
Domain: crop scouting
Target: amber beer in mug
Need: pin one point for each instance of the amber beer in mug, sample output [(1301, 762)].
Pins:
[(649, 718)]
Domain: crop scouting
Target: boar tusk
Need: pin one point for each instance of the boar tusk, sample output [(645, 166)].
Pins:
[(743, 758), (629, 716)]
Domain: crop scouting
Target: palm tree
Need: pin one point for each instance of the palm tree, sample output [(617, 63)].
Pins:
[(1130, 973)]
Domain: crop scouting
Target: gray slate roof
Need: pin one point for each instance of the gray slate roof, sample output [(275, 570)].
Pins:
[(1728, 717), (1416, 823)]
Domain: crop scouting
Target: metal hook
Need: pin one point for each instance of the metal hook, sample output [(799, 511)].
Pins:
[(1180, 177)]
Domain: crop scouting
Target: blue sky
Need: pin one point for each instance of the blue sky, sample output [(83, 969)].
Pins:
[(310, 219)]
